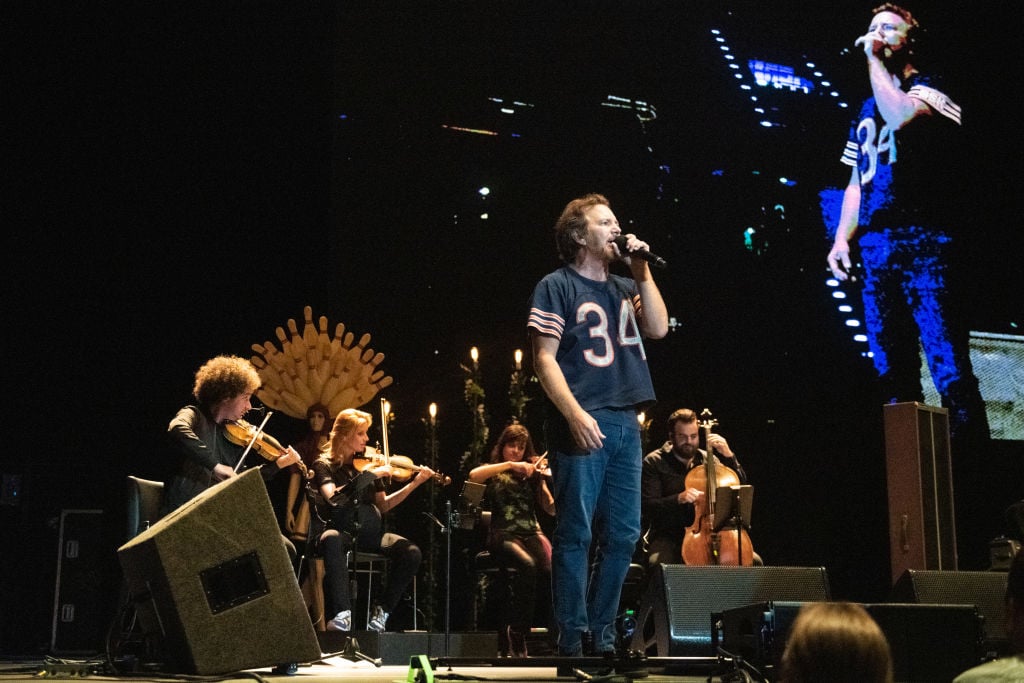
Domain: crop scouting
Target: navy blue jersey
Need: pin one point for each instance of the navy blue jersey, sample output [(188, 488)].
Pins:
[(913, 176), (600, 347)]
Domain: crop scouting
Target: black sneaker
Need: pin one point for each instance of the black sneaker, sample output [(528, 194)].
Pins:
[(585, 671), (631, 664), (569, 670)]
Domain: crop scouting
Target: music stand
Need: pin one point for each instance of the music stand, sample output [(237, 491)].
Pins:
[(732, 508), (472, 494), (352, 490)]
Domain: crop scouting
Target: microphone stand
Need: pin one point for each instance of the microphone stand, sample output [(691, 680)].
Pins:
[(452, 519)]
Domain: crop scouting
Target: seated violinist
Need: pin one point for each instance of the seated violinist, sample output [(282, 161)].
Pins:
[(200, 435), (517, 488), (668, 506), (350, 503)]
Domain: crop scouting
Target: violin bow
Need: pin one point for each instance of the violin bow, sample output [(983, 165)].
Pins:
[(384, 431), (255, 435)]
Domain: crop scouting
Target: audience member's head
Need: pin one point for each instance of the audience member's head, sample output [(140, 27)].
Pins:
[(837, 642)]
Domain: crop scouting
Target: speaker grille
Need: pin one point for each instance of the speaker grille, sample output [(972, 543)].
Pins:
[(676, 613), (214, 583), (984, 590)]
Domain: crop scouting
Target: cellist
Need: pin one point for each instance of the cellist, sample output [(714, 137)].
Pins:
[(667, 505)]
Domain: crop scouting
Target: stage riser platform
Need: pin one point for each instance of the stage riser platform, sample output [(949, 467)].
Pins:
[(398, 647)]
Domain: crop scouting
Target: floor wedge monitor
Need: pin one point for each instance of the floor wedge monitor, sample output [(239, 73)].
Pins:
[(675, 616), (213, 584)]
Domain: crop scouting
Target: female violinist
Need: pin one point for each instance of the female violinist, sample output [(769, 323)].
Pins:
[(516, 486), (351, 503), (199, 435)]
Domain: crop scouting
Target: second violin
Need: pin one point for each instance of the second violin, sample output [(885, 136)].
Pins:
[(400, 467)]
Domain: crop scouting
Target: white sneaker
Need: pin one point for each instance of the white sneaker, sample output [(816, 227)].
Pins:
[(377, 621), (342, 621)]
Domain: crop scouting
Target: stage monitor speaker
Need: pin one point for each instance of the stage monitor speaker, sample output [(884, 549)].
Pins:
[(922, 527), (676, 613), (927, 642), (213, 584), (986, 591)]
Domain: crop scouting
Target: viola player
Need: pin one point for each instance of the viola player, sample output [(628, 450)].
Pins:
[(223, 391)]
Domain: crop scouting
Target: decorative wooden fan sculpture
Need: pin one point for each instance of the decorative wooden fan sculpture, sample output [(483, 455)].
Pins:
[(313, 367)]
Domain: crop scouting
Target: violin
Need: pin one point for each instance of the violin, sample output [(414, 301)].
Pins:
[(702, 543), (242, 433), (541, 465), (400, 467)]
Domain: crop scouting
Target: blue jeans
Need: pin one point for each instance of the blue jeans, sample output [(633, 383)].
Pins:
[(597, 493), (907, 299)]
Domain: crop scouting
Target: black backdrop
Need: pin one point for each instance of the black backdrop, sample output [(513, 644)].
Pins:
[(184, 178)]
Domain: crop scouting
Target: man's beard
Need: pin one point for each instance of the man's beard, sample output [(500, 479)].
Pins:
[(686, 452)]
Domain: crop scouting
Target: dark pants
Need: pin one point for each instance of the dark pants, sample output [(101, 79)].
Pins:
[(530, 557), (403, 555)]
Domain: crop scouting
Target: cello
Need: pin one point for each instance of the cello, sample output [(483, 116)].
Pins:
[(702, 543)]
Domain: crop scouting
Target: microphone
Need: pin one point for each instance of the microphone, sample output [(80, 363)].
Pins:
[(652, 259)]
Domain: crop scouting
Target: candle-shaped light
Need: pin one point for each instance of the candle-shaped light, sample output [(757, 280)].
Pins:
[(519, 359), (641, 417), (475, 355), (433, 412)]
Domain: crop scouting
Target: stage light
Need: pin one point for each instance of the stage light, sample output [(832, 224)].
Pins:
[(839, 294), (846, 308), (852, 322), (484, 191)]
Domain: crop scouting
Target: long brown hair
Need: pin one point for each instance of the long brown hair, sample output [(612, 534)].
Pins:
[(517, 434)]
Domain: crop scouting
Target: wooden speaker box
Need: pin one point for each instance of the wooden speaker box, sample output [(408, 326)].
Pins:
[(922, 527)]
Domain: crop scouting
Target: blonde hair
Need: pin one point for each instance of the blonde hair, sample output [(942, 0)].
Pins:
[(345, 424), (837, 642)]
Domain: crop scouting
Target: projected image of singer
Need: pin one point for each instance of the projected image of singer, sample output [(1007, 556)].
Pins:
[(587, 327), (905, 199)]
